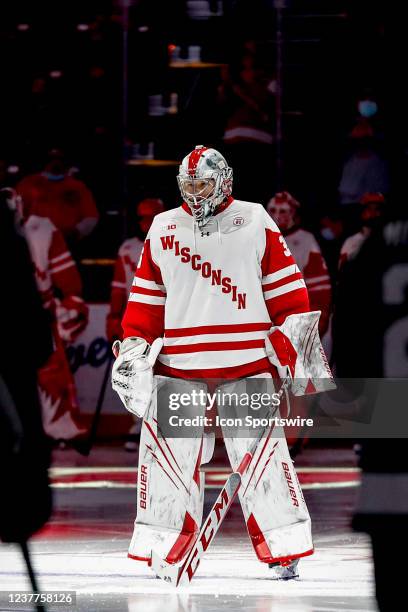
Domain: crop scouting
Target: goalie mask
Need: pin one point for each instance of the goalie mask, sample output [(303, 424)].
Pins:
[(205, 182), (283, 208)]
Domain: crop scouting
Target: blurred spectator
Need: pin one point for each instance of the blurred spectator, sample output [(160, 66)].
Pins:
[(331, 238), (60, 288), (248, 96), (284, 210), (63, 199), (24, 453), (125, 268), (369, 113), (364, 171), (126, 263), (8, 173), (367, 106), (372, 213), (370, 340)]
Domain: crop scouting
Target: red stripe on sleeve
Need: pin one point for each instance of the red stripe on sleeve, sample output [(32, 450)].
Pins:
[(276, 257), (282, 281), (145, 320), (147, 291)]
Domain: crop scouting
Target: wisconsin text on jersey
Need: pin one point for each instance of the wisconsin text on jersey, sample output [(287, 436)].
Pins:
[(205, 268)]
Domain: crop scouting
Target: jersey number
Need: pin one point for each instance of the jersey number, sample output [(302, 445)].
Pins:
[(285, 246)]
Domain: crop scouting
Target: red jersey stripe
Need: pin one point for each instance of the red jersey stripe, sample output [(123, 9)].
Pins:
[(60, 260), (135, 289), (217, 329), (282, 281), (260, 366), (201, 347)]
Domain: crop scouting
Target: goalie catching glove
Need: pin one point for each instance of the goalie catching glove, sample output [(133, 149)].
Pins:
[(132, 372)]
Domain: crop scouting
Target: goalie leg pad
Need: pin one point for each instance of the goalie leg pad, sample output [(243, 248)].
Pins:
[(170, 491), (272, 501), (208, 447)]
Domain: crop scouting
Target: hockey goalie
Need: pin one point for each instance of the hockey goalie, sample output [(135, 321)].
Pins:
[(216, 295)]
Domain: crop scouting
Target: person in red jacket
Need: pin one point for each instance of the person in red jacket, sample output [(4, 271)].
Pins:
[(60, 288), (63, 199), (371, 216), (284, 210)]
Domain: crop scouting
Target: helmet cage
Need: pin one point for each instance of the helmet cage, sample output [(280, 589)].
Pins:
[(202, 202)]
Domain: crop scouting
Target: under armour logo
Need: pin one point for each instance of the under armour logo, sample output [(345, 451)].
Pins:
[(204, 234)]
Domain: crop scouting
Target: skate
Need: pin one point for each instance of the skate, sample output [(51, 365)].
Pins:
[(284, 571)]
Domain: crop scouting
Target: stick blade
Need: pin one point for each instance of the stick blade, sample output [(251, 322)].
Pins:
[(168, 572), (181, 573)]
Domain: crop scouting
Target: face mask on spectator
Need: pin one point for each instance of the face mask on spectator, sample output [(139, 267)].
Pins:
[(367, 108), (55, 168), (53, 177), (327, 233)]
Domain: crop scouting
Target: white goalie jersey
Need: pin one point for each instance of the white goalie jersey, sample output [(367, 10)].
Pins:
[(214, 294)]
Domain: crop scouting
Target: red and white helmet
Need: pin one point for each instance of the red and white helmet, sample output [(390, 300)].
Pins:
[(205, 182), (283, 208)]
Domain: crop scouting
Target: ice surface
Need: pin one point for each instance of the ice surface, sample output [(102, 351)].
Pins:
[(85, 550)]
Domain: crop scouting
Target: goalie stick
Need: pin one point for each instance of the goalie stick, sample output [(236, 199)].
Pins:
[(183, 572), (83, 447)]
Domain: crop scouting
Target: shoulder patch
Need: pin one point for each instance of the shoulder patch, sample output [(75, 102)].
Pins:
[(238, 221), (170, 226)]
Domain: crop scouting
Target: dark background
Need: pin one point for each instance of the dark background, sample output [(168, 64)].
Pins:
[(62, 75)]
